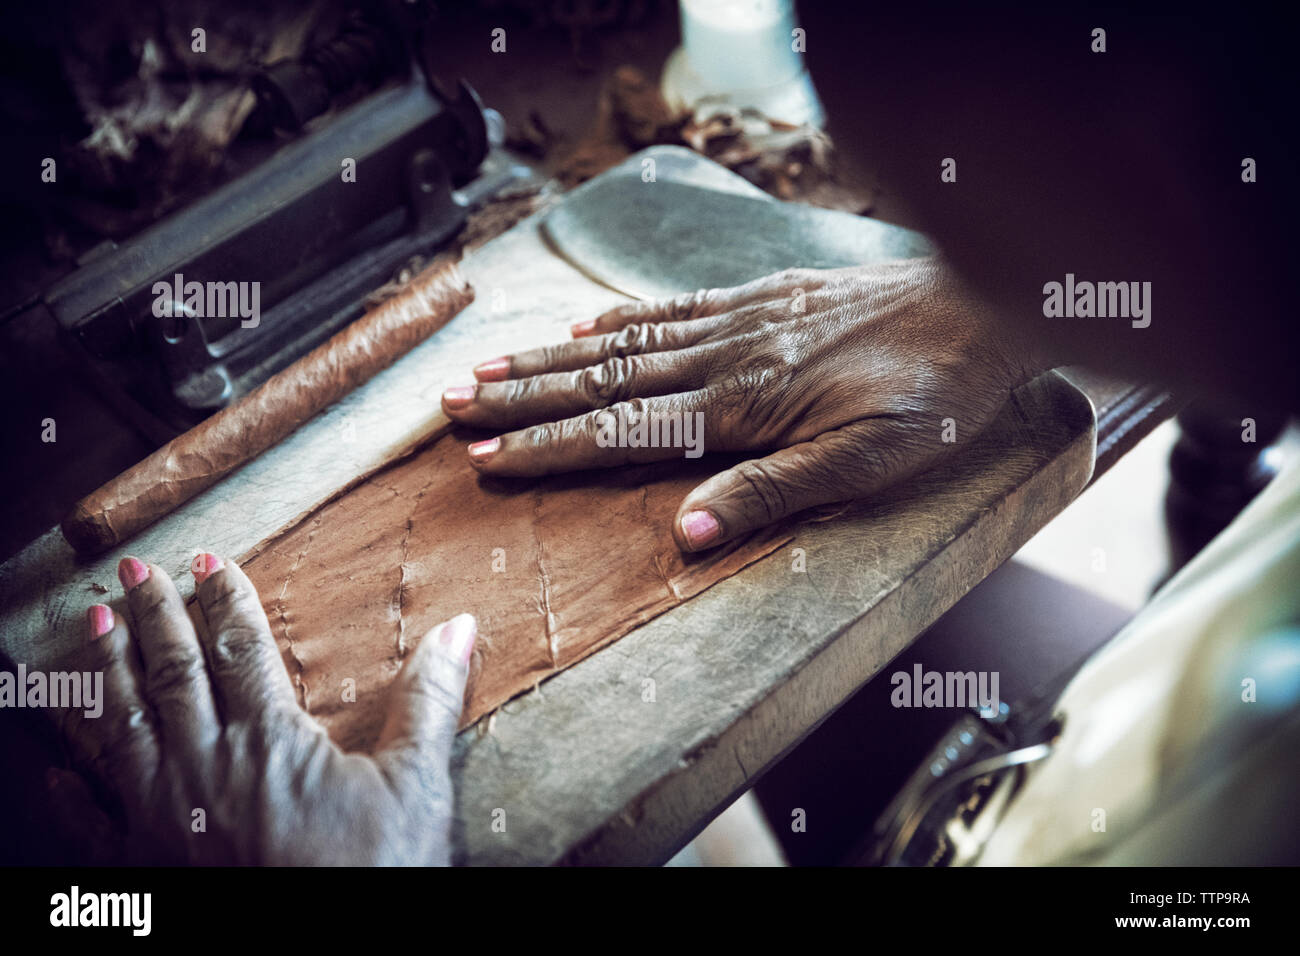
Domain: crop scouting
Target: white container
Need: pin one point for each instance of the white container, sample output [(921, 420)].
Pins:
[(741, 53)]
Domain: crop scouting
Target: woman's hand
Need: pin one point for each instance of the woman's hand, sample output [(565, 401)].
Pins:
[(202, 754), (853, 378)]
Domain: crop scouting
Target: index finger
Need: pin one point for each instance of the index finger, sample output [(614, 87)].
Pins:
[(600, 439)]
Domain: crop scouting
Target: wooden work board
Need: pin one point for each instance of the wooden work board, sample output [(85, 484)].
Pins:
[(624, 756)]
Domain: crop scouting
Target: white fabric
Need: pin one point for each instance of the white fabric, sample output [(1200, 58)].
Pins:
[(1148, 718)]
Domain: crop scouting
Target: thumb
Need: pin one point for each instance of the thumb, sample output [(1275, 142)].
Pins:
[(425, 706), (845, 463)]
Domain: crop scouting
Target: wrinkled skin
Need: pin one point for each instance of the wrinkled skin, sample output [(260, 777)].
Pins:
[(845, 376), (214, 724)]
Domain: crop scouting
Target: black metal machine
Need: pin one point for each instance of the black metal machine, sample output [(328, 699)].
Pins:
[(329, 217)]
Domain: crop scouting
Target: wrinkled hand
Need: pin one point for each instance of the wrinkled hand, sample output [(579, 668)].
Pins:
[(213, 725), (853, 378)]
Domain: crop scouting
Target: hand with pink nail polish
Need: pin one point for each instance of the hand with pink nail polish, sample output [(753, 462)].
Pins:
[(837, 383), (207, 757)]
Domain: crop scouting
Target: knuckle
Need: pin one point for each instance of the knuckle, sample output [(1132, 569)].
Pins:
[(634, 410), (238, 647), (762, 490), (755, 322), (224, 599), (574, 429), (754, 379), (546, 357), (629, 312), (607, 382), (784, 362), (233, 610), (679, 308), (538, 437), (690, 305), (586, 429), (629, 340), (638, 407), (175, 675), (730, 400), (151, 607), (773, 362), (513, 391)]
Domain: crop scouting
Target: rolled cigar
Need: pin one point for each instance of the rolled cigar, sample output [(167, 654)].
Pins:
[(198, 459)]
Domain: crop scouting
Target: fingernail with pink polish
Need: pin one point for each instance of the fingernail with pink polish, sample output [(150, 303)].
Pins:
[(457, 637), (99, 617), (497, 370), (204, 565), (458, 397), (579, 329), (481, 451), (700, 528), (132, 572)]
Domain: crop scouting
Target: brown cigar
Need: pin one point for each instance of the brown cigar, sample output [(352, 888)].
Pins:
[(198, 459)]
